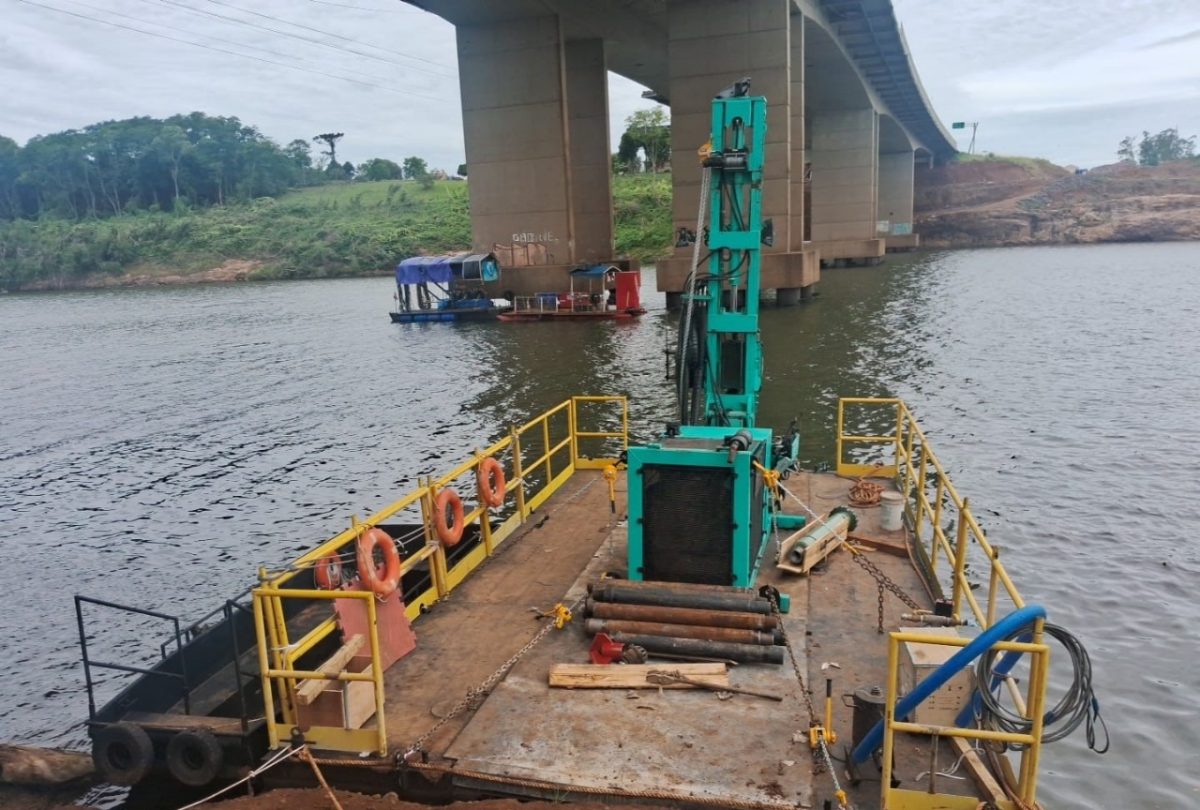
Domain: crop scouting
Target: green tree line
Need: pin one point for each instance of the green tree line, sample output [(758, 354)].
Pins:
[(114, 167)]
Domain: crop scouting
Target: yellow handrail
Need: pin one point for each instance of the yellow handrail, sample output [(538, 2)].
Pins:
[(931, 501), (1035, 701), (532, 482)]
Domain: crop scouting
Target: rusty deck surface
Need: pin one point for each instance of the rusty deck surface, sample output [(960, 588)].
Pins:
[(467, 637), (682, 743)]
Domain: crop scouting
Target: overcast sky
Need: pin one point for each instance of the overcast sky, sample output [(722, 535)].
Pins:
[(1062, 79)]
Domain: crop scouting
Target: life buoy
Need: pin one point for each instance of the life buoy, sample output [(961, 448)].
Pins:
[(385, 580), (328, 572), (491, 481), (449, 530)]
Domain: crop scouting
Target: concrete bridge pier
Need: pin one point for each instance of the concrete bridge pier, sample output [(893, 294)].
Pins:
[(844, 153), (711, 44), (535, 122), (896, 172)]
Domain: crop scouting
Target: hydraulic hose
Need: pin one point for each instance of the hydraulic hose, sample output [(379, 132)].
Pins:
[(1010, 625)]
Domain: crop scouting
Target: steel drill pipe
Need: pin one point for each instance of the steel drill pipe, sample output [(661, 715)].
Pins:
[(666, 597), (670, 615), (734, 634), (674, 586), (744, 653)]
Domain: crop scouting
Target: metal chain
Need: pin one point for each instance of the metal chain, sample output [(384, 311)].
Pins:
[(787, 643), (884, 580), (473, 697), (837, 786)]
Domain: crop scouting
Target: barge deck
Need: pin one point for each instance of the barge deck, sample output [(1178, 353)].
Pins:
[(468, 711)]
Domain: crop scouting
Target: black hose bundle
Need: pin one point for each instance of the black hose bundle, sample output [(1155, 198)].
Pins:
[(1078, 705)]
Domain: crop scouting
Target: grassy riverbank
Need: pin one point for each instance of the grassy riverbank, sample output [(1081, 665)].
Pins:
[(343, 229)]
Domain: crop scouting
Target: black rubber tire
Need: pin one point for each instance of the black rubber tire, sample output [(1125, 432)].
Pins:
[(122, 753), (194, 758)]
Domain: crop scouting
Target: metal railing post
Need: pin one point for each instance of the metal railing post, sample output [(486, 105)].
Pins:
[(377, 672), (572, 426), (87, 665), (921, 496), (519, 473), (960, 555), (937, 521), (889, 715), (841, 429), (264, 666), (546, 449)]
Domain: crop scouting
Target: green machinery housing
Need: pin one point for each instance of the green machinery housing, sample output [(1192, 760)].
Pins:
[(700, 508)]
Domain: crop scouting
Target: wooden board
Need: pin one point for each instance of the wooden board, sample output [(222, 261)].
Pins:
[(633, 676), (185, 722), (308, 691)]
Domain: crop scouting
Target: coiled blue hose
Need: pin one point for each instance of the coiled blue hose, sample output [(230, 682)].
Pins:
[(997, 632)]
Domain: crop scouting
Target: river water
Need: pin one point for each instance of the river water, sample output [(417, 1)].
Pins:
[(157, 445)]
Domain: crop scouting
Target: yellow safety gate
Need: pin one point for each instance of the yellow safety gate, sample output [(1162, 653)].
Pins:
[(930, 501), (554, 437)]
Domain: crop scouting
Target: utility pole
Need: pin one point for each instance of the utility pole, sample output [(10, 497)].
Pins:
[(974, 125)]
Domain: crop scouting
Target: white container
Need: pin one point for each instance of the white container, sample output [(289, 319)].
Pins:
[(891, 511)]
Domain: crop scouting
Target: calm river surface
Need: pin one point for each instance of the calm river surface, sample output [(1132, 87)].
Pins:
[(158, 445)]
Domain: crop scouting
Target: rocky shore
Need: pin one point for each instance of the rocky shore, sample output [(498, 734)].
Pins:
[(987, 203)]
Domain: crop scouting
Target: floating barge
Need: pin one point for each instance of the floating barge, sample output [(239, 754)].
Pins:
[(431, 289), (607, 294), (315, 656), (569, 617)]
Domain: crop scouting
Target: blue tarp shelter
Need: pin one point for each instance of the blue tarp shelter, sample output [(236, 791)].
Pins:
[(444, 269)]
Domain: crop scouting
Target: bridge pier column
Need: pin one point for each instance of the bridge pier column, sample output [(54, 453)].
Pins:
[(896, 171), (710, 45), (535, 125), (844, 152)]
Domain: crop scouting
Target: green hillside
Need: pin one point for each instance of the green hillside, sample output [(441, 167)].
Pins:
[(340, 229)]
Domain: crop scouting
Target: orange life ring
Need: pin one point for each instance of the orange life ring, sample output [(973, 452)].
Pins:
[(328, 572), (448, 531), (491, 481), (385, 580)]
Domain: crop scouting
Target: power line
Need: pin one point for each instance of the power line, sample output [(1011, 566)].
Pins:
[(188, 31), (326, 33), (358, 8), (211, 48), (248, 24)]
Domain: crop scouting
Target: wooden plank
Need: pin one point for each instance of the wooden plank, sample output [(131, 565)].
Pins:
[(984, 780), (308, 691), (879, 544), (182, 722), (633, 676)]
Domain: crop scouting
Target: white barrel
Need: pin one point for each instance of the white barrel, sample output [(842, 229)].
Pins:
[(891, 511)]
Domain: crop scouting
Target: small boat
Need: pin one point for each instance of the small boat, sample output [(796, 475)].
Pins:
[(611, 294), (446, 288)]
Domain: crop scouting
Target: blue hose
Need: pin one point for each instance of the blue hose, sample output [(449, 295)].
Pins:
[(997, 632)]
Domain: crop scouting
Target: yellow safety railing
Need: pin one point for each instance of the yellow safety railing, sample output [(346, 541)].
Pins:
[(1035, 701), (931, 505), (277, 661), (931, 501), (555, 438)]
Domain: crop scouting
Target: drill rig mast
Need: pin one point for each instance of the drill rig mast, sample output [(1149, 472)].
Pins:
[(699, 499)]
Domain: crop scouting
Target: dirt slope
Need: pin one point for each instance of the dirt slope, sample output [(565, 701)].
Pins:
[(999, 202)]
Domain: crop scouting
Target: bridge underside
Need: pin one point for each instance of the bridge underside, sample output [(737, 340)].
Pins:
[(847, 115)]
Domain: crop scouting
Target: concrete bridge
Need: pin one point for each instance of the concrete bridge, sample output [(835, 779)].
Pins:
[(848, 120)]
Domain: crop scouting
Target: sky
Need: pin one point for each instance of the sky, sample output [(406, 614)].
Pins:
[(1060, 79)]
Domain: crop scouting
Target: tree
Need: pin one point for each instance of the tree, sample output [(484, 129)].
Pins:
[(299, 153), (415, 168), (1152, 150), (171, 144), (380, 169), (649, 131), (462, 170), (330, 139)]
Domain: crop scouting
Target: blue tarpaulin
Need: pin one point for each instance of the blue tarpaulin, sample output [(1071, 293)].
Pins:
[(593, 271), (444, 269)]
